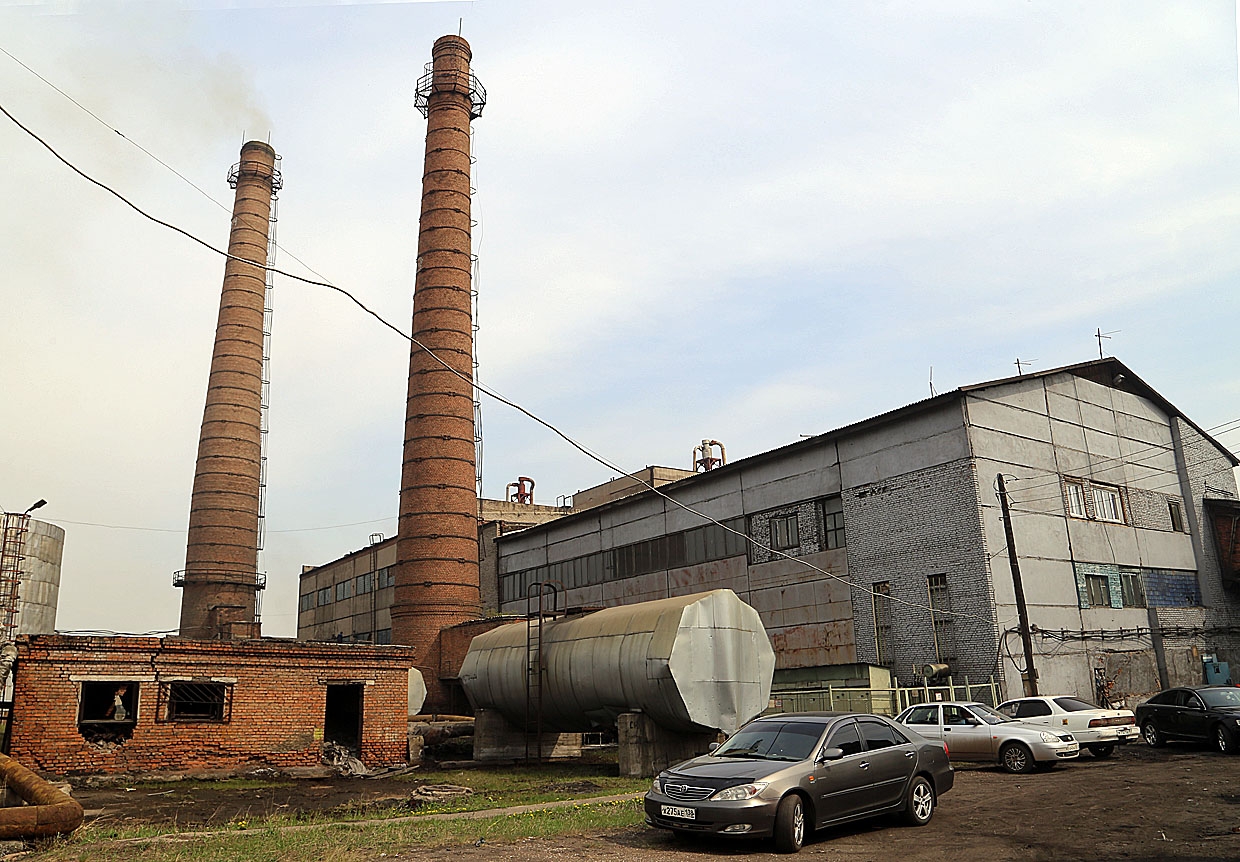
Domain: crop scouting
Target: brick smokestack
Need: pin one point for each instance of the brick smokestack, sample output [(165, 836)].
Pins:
[(221, 555), (437, 541)]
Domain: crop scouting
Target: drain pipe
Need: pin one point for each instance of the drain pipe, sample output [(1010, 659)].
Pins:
[(48, 811)]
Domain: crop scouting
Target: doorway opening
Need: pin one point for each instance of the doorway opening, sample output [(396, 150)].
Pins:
[(342, 723)]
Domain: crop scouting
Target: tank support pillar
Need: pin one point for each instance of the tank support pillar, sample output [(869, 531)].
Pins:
[(497, 740), (646, 749)]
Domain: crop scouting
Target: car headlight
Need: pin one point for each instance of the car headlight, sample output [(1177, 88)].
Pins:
[(1048, 737), (739, 792), (657, 785)]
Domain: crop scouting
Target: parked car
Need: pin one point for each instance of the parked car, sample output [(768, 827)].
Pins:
[(1095, 728), (1200, 712), (975, 731), (785, 775)]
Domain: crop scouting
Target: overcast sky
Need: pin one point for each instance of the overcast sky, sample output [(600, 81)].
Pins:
[(739, 221)]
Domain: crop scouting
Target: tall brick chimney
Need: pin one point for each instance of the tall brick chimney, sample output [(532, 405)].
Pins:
[(437, 540), (221, 578)]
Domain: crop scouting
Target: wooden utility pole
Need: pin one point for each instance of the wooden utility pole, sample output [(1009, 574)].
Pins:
[(1022, 612)]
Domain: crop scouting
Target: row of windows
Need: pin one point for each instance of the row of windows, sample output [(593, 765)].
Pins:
[(347, 589), (700, 545), (382, 636), (1095, 502), (686, 548), (105, 705)]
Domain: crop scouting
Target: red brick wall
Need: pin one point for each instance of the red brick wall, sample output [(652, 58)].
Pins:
[(278, 702)]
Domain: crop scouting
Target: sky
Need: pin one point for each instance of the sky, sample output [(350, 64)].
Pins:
[(737, 221)]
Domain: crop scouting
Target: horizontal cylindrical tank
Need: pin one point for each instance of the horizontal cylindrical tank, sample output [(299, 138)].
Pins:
[(40, 586), (692, 663)]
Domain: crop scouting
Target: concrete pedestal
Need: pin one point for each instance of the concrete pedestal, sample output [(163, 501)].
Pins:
[(495, 739), (646, 748)]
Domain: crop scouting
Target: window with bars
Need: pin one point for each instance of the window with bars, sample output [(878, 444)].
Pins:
[(384, 578), (344, 590), (940, 612), (832, 523), (882, 623), (325, 596), (383, 636), (363, 584), (205, 702)]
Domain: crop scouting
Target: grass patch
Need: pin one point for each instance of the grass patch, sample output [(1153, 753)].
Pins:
[(347, 842)]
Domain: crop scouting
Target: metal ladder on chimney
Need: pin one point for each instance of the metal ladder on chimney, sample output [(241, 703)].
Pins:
[(12, 555)]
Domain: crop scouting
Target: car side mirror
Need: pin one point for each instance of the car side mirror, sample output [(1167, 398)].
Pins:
[(830, 754), (973, 722), (712, 746)]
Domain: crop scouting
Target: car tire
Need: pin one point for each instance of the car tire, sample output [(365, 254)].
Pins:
[(1102, 751), (919, 802), (1224, 740), (1152, 735), (1016, 758), (790, 824)]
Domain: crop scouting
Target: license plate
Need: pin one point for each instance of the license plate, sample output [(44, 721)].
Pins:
[(677, 811), (1127, 731)]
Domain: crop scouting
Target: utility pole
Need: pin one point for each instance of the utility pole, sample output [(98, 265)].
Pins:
[(1022, 611)]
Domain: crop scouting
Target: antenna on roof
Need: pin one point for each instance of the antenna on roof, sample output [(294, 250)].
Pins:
[(1019, 362), (932, 392), (1099, 334)]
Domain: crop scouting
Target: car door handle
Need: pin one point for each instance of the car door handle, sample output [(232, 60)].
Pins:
[(864, 764), (910, 754), (947, 730)]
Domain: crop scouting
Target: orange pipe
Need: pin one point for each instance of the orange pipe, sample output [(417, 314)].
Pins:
[(48, 811)]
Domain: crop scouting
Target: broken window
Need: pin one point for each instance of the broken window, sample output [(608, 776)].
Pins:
[(194, 701), (785, 534), (108, 710)]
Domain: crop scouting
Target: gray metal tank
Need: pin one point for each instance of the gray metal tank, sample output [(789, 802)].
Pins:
[(40, 585), (692, 663)]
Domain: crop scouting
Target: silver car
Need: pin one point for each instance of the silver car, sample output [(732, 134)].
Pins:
[(975, 731)]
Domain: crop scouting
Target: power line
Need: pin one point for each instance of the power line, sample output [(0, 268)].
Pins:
[(483, 389)]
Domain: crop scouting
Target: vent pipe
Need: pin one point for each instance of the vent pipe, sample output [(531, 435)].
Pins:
[(436, 568), (221, 580)]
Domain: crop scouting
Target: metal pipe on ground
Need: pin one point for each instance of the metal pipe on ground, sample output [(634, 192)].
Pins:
[(47, 811)]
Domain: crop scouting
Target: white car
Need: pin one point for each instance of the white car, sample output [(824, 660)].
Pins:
[(1095, 728)]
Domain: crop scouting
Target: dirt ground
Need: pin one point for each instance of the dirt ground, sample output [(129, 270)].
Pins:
[(1179, 802)]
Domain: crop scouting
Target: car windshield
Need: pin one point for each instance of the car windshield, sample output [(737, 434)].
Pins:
[(1220, 696), (1073, 704), (988, 714), (773, 740)]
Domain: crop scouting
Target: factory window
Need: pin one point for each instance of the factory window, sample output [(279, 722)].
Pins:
[(307, 602), (882, 623), (1107, 504), (941, 614), (384, 578), (1177, 516), (1131, 589), (362, 637), (1098, 590), (365, 583), (1075, 492), (383, 636), (344, 590), (785, 533), (325, 596), (108, 710), (196, 702), (833, 523)]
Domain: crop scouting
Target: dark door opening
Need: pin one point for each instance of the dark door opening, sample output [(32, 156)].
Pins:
[(342, 723)]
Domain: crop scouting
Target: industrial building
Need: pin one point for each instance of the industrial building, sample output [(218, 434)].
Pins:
[(881, 543)]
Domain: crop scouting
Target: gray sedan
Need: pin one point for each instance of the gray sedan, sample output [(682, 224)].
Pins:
[(975, 731), (784, 775)]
